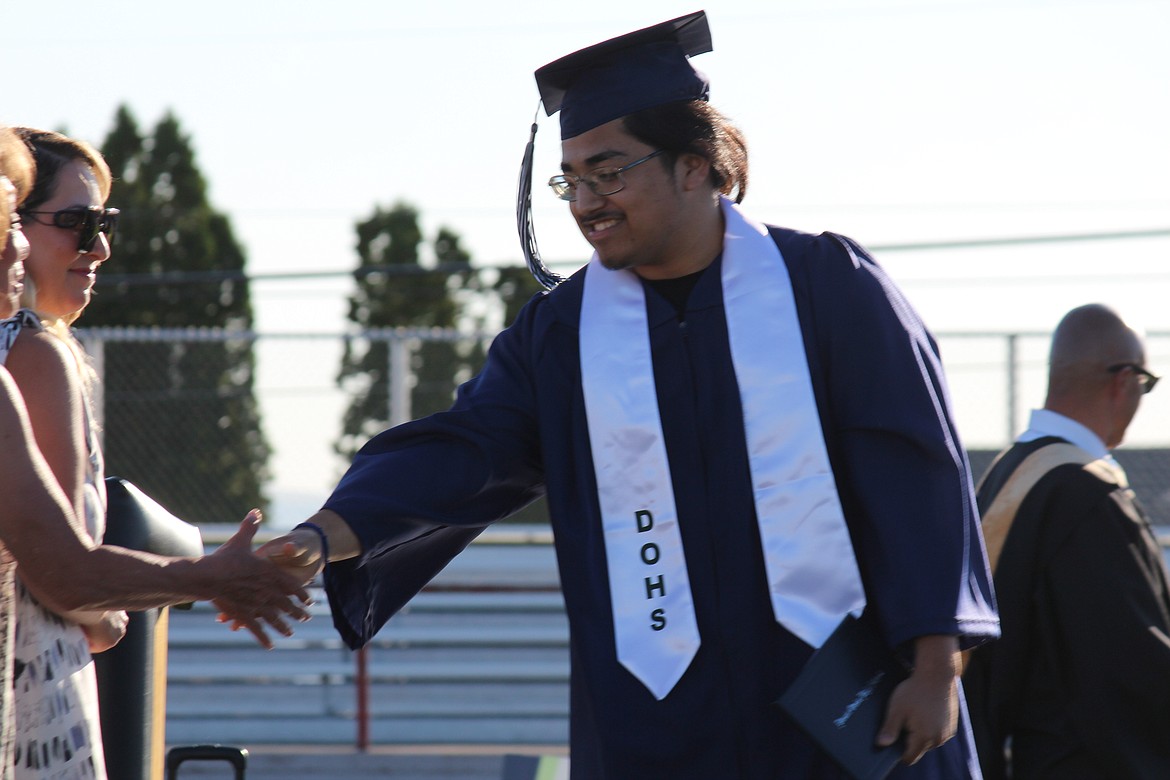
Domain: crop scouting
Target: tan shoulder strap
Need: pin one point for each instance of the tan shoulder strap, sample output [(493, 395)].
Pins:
[(1108, 471), (997, 520)]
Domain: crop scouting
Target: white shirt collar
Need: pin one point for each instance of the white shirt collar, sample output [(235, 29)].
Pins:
[(1045, 422)]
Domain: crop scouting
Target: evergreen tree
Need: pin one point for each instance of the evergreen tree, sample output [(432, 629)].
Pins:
[(514, 286), (394, 290), (181, 418)]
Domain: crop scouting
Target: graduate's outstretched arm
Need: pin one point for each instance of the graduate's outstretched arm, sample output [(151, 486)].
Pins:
[(925, 706)]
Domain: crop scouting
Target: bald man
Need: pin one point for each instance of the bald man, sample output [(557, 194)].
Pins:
[(1079, 684)]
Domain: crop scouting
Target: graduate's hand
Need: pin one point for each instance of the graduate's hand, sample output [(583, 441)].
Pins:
[(925, 706), (298, 552)]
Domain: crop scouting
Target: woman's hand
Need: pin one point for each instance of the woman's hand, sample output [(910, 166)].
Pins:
[(107, 631)]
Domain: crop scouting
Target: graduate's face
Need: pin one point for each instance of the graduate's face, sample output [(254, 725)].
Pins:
[(639, 226)]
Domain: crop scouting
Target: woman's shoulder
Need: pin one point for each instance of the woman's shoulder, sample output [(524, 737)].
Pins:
[(39, 346), (40, 360)]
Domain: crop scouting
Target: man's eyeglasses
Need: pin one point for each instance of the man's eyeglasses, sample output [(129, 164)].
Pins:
[(601, 181), (1146, 379), (87, 221)]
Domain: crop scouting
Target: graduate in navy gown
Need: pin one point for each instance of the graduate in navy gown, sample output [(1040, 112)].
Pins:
[(743, 434)]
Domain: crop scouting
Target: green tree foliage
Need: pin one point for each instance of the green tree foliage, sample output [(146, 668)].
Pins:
[(181, 418), (394, 290), (514, 286)]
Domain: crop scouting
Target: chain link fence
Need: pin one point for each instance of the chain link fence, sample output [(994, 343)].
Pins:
[(183, 423)]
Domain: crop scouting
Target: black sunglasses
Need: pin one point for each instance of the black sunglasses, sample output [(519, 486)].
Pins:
[(1145, 378), (88, 221)]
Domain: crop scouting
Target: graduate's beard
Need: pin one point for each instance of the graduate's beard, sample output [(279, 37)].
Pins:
[(616, 263)]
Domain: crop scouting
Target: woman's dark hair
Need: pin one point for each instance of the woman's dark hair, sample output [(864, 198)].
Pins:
[(696, 127)]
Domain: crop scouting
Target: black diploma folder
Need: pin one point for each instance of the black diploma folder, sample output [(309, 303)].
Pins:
[(839, 698)]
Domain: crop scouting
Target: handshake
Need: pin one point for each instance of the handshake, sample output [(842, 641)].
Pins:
[(265, 589)]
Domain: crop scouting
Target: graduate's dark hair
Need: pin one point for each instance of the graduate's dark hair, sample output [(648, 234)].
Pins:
[(696, 127)]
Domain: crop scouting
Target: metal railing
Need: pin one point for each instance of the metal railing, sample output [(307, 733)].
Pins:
[(994, 378)]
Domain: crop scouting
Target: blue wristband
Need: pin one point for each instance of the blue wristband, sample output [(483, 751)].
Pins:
[(324, 539)]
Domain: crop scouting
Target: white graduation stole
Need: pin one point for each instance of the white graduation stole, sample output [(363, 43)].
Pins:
[(812, 572)]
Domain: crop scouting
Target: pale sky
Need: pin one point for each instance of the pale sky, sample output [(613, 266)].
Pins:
[(893, 121)]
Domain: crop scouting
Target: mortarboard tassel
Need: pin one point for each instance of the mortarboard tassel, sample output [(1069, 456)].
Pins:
[(524, 223)]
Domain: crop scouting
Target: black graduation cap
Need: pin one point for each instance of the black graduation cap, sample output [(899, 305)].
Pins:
[(638, 70), (609, 80)]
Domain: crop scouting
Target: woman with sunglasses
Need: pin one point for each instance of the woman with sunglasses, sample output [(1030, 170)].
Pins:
[(68, 230), (59, 562)]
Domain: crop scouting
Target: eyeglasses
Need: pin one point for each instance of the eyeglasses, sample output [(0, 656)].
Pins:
[(600, 181), (88, 221), (1146, 379)]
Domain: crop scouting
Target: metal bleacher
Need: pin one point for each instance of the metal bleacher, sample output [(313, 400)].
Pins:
[(481, 657)]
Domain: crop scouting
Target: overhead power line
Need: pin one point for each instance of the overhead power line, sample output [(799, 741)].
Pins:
[(238, 275), (1053, 239), (204, 277)]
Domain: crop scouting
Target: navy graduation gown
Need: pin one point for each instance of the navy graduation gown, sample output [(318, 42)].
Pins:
[(417, 494)]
